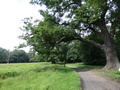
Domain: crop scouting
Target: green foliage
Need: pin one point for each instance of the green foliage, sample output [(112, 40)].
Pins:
[(38, 76), (58, 53), (62, 50), (70, 19), (90, 54), (73, 54), (19, 56), (81, 11), (3, 55), (34, 57), (44, 35), (31, 55)]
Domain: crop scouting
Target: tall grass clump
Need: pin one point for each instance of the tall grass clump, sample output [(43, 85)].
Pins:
[(38, 76)]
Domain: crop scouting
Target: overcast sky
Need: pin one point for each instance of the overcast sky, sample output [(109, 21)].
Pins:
[(11, 14)]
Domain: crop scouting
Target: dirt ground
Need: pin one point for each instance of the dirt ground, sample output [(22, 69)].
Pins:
[(92, 81)]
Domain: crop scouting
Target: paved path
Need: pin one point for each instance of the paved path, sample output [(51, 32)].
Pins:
[(92, 81)]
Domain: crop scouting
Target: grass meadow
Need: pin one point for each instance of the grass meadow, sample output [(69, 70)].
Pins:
[(38, 76)]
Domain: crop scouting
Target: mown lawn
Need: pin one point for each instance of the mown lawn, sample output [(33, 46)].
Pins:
[(38, 76), (114, 74)]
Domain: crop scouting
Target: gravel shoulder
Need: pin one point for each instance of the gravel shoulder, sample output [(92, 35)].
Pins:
[(92, 81)]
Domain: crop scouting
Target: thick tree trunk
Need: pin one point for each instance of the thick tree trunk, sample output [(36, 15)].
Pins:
[(112, 61), (108, 47)]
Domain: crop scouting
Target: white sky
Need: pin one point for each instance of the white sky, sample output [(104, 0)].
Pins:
[(11, 14)]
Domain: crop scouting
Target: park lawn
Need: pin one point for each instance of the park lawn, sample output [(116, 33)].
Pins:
[(112, 73), (83, 66), (38, 76)]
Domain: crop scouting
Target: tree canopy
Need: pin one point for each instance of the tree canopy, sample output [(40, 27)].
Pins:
[(67, 20), (19, 56)]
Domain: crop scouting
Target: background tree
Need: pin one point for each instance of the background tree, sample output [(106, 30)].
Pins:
[(32, 56), (62, 50), (35, 57), (3, 55), (90, 54), (88, 16), (57, 54), (19, 56), (73, 54)]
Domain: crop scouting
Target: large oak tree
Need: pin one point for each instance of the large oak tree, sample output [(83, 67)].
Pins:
[(85, 17), (89, 16)]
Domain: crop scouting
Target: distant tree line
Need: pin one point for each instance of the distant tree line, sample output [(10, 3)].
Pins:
[(15, 56)]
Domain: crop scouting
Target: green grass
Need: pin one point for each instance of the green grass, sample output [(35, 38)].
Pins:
[(86, 67), (37, 76), (114, 74)]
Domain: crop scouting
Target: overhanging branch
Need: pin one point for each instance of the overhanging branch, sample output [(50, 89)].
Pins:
[(67, 6), (70, 38)]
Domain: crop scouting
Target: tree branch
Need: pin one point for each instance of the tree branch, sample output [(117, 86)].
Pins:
[(67, 6), (70, 38), (75, 2)]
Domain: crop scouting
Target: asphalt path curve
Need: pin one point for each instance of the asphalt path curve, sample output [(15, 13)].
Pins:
[(92, 81)]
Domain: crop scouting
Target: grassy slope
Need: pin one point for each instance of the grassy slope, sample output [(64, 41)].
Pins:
[(115, 74), (38, 76)]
